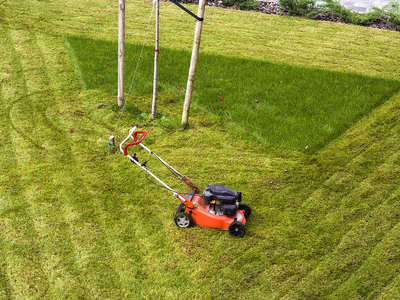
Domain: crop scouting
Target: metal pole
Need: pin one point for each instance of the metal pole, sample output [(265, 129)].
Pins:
[(153, 107), (193, 63), (121, 51)]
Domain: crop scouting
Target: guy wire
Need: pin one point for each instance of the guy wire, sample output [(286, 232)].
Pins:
[(134, 75)]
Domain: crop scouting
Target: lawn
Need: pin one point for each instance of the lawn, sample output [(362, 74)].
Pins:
[(272, 103), (78, 221)]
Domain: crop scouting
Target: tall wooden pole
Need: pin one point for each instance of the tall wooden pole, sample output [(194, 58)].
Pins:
[(153, 107), (121, 51), (193, 63)]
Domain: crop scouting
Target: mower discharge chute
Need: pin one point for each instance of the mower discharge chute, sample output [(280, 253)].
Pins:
[(218, 208)]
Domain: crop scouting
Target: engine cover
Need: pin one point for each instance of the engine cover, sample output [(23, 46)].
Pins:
[(220, 193)]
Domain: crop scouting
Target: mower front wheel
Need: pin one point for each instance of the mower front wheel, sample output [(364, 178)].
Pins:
[(236, 229), (181, 208), (183, 220)]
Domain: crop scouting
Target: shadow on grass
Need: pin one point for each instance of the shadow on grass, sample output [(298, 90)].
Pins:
[(276, 104)]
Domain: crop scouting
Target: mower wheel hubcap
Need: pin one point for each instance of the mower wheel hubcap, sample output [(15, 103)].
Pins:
[(182, 221)]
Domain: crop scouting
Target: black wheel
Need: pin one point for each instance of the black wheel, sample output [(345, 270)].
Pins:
[(236, 229), (246, 209), (183, 220), (181, 208)]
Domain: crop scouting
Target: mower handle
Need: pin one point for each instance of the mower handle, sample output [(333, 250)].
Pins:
[(136, 140), (127, 138)]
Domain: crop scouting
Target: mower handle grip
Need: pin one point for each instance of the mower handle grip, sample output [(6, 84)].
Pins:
[(136, 140)]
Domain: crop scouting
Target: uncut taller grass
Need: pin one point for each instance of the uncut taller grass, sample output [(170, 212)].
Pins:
[(276, 104)]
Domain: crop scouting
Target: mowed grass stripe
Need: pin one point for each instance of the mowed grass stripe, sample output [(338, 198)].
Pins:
[(8, 180), (355, 248), (127, 222), (314, 44), (25, 149), (64, 268), (39, 119), (392, 291), (57, 66), (19, 236), (311, 248), (188, 252), (268, 37), (314, 228), (8, 93), (381, 265), (21, 247), (372, 205), (89, 238), (86, 236), (357, 179), (369, 159), (91, 215), (100, 195), (62, 280), (5, 286), (143, 235)]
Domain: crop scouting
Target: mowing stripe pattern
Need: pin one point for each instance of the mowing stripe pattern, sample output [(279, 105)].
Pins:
[(77, 221)]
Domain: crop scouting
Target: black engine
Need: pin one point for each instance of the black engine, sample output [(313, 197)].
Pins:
[(221, 200)]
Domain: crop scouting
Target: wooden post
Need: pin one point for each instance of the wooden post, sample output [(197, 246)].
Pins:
[(121, 51), (153, 107), (193, 63), (111, 141)]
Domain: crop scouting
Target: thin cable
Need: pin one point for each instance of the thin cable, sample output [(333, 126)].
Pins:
[(134, 75), (174, 176), (164, 173), (159, 185)]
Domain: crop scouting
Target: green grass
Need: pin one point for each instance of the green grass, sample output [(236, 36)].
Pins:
[(389, 14), (80, 222), (275, 104)]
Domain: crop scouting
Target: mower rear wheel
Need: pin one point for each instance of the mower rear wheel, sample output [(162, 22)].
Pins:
[(183, 220), (246, 209), (236, 229)]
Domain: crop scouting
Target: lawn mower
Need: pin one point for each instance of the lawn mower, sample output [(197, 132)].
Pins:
[(219, 207)]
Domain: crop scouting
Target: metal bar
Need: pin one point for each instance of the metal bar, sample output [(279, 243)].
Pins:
[(186, 10), (154, 176), (162, 161), (129, 135)]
